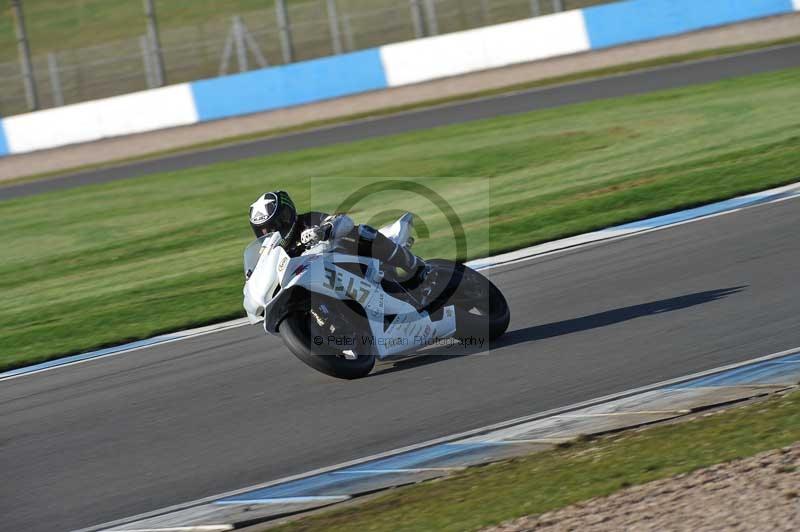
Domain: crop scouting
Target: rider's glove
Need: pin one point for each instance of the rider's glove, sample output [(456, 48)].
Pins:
[(313, 235)]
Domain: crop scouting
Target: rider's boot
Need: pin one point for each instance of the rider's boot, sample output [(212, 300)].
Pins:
[(415, 269), (418, 280)]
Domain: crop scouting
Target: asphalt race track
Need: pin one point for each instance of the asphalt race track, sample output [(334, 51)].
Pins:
[(106, 439), (123, 435), (668, 77)]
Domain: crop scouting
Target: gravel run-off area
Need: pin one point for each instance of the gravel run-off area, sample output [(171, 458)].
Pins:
[(755, 494)]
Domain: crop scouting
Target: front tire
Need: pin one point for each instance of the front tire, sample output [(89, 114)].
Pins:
[(295, 330)]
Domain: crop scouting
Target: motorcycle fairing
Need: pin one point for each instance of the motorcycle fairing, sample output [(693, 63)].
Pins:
[(270, 296)]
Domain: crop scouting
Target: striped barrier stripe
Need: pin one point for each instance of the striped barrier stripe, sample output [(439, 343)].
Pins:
[(89, 121), (641, 20), (289, 85), (3, 142), (489, 47)]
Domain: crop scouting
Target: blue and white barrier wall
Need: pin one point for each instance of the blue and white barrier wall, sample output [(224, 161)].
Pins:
[(110, 117), (484, 48), (641, 20), (392, 65), (285, 86)]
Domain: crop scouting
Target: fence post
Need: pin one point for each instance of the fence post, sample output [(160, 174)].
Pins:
[(31, 94), (284, 26), (253, 45), (558, 5), (55, 80), (238, 38), (430, 17), (536, 9), (485, 12), (416, 18), (349, 39), (160, 76), (226, 53), (146, 58), (333, 22)]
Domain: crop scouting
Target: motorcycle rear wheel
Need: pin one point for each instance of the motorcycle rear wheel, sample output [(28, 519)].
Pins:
[(295, 330), (481, 308)]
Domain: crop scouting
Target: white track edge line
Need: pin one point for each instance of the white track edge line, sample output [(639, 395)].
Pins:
[(609, 234), (288, 500), (159, 340), (199, 528)]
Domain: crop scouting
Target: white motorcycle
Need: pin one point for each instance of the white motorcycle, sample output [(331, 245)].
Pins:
[(339, 312)]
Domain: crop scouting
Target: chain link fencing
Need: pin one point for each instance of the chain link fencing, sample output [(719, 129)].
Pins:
[(225, 41)]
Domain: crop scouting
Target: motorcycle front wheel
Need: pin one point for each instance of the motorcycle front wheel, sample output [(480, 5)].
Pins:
[(315, 351)]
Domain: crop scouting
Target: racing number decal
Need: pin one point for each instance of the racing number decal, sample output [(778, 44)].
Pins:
[(361, 294), (333, 281), (330, 279)]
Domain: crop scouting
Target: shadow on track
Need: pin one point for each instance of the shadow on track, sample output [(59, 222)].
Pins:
[(561, 328)]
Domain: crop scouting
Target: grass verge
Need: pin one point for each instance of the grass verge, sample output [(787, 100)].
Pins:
[(546, 481), (547, 82), (104, 264)]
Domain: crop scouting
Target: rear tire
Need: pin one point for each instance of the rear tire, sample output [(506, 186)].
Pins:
[(296, 333), (481, 308)]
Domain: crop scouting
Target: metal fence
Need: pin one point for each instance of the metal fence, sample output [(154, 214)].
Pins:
[(254, 39)]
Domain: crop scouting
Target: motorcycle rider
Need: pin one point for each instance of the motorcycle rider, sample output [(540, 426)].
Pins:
[(275, 212)]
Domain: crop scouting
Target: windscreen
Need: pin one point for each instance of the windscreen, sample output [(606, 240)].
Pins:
[(253, 252)]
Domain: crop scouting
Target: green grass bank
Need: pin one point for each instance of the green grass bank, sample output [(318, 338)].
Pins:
[(103, 264)]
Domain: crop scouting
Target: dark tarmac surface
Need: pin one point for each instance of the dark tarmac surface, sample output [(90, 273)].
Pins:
[(114, 437)]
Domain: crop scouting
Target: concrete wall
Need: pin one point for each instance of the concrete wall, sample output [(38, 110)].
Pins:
[(484, 48), (640, 20)]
